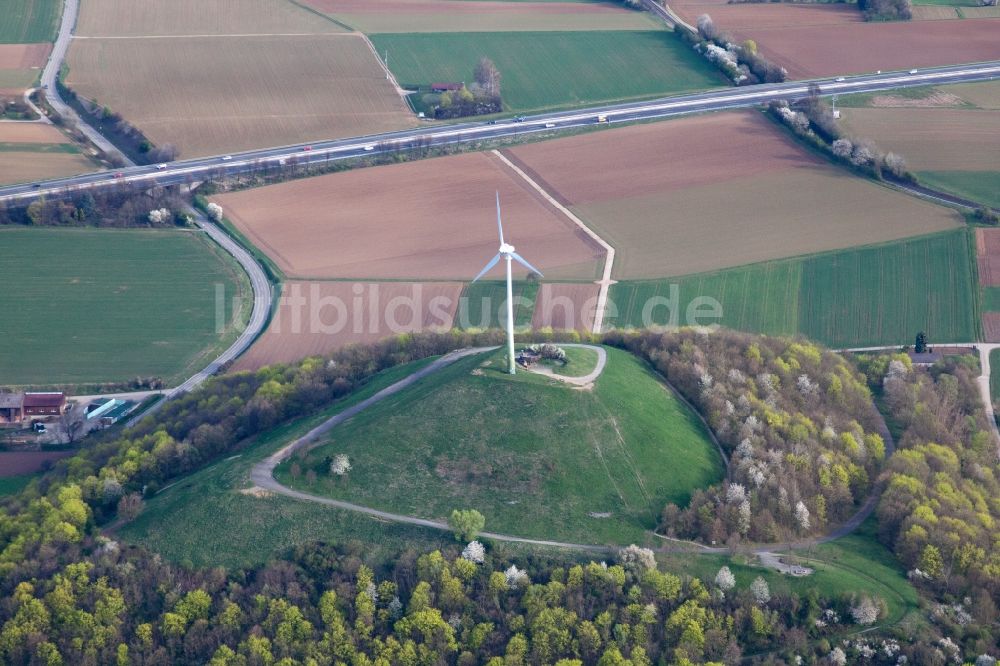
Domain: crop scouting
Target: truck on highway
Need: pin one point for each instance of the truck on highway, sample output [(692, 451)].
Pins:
[(602, 118)]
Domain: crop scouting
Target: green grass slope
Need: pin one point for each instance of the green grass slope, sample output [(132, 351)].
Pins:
[(983, 187), (542, 70), (535, 456), (84, 306), (29, 21), (878, 295)]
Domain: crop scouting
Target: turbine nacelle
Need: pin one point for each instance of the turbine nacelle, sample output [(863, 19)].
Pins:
[(507, 248)]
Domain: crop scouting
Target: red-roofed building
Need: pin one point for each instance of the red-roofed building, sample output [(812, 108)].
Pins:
[(44, 404)]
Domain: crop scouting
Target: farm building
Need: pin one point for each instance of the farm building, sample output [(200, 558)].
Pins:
[(44, 404), (11, 407)]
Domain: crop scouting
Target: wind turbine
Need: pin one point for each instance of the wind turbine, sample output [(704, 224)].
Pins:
[(507, 252)]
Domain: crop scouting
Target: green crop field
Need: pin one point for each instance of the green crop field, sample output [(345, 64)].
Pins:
[(8, 147), (29, 21), (89, 306), (542, 70), (483, 303), (535, 456), (983, 187), (877, 295)]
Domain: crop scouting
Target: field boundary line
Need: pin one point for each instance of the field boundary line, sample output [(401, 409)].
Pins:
[(208, 36), (385, 68), (605, 282)]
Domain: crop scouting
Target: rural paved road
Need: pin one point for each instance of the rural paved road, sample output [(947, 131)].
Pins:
[(71, 9), (262, 476), (437, 135), (263, 298)]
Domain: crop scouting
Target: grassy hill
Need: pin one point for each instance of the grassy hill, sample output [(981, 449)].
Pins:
[(536, 457)]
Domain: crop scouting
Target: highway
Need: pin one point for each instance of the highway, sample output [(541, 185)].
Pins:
[(186, 171)]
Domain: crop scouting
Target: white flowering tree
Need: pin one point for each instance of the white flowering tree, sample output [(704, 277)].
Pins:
[(736, 493), (725, 579), (474, 552), (214, 212), (837, 657), (641, 558), (866, 612), (159, 216), (802, 516), (515, 577), (340, 465), (760, 590)]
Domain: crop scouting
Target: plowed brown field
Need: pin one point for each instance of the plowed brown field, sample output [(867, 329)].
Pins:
[(23, 56), (211, 95), (427, 220), (481, 16), (30, 133), (826, 40), (933, 139), (717, 191), (316, 318), (988, 256), (15, 463), (565, 306), (197, 17)]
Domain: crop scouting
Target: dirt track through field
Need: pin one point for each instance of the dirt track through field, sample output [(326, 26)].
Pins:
[(429, 220)]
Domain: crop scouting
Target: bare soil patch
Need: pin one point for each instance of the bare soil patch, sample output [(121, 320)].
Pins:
[(983, 95), (700, 194), (565, 306), (30, 133), (222, 94), (988, 256), (15, 463), (197, 17), (933, 139), (481, 16), (316, 318), (826, 40), (23, 56), (428, 220), (934, 13)]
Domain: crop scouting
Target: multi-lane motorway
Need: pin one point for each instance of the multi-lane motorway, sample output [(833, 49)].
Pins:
[(185, 171)]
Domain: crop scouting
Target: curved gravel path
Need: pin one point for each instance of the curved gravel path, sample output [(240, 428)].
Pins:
[(585, 381), (262, 475)]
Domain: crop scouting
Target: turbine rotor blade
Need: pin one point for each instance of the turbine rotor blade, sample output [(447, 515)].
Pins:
[(521, 260), (499, 223), (493, 262)]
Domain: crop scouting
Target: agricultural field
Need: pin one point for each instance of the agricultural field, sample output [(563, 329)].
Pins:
[(316, 318), (29, 21), (427, 220), (472, 436), (483, 304), (35, 151), (988, 262), (565, 306), (860, 297), (380, 16), (809, 40), (90, 306), (950, 136), (210, 95), (20, 66), (198, 17), (546, 70), (744, 192)]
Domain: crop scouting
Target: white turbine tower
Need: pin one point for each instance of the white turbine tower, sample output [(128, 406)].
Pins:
[(507, 252)]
